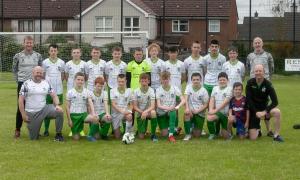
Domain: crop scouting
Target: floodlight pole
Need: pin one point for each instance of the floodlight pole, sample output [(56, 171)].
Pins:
[(294, 27), (206, 26), (80, 21), (250, 22), (163, 29)]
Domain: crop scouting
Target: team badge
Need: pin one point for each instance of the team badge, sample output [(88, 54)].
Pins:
[(239, 71), (172, 95), (219, 64), (263, 89)]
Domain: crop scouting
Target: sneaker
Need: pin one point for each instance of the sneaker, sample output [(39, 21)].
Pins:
[(211, 137), (203, 133), (178, 130), (296, 126), (259, 133), (91, 138), (82, 133), (154, 138), (59, 137), (46, 133), (187, 137), (17, 134), (172, 139), (70, 134), (270, 134), (278, 138)]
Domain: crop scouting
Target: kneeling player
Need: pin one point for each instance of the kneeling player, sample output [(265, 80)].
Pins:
[(144, 106), (99, 97), (166, 106), (121, 107), (218, 107), (78, 100), (196, 98)]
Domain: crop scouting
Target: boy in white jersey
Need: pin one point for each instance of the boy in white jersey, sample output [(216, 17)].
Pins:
[(95, 68), (78, 101), (144, 106), (234, 68), (157, 65), (121, 107), (100, 101), (219, 107), (166, 106), (194, 63), (54, 74), (196, 98)]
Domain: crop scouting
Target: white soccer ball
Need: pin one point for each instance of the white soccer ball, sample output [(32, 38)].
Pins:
[(128, 138)]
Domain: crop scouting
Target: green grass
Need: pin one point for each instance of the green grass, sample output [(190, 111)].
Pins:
[(197, 159)]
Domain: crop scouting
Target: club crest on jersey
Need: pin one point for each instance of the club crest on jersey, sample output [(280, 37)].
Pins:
[(199, 97), (172, 95), (122, 71), (59, 68), (219, 64), (224, 95), (82, 69), (263, 89), (178, 69), (238, 71), (139, 97)]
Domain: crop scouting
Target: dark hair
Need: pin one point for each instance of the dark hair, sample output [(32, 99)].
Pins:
[(214, 41), (196, 42), (144, 76), (237, 84), (117, 49), (55, 46), (96, 48), (122, 76), (223, 74), (195, 75), (232, 48), (138, 49), (79, 74), (173, 49)]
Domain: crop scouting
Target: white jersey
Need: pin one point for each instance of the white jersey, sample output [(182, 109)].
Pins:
[(78, 100), (235, 72), (122, 100), (176, 70), (143, 99), (72, 69), (167, 98), (112, 71), (196, 99), (53, 71), (98, 102), (156, 69), (220, 95), (213, 68), (94, 71), (194, 66), (35, 94)]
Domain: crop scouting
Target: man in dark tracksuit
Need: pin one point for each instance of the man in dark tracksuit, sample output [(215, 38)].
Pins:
[(258, 92)]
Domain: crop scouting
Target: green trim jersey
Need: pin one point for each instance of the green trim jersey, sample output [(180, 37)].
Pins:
[(53, 71), (72, 69), (94, 71), (167, 98), (136, 70), (220, 94), (122, 99), (78, 100), (176, 70), (213, 68), (156, 69), (235, 72), (112, 71), (143, 99), (98, 102), (196, 98), (194, 66)]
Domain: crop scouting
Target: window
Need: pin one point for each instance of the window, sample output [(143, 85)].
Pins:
[(59, 25), (180, 26), (132, 24), (25, 26), (214, 25), (104, 24)]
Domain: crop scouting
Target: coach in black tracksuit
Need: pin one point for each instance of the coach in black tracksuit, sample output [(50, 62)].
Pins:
[(258, 92)]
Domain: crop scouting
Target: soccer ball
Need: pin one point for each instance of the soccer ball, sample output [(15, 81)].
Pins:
[(128, 138)]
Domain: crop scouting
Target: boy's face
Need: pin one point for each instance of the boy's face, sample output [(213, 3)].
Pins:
[(173, 55), (138, 56), (214, 48), (95, 54), (28, 45), (196, 81), (121, 82), (165, 81), (117, 55), (76, 53), (237, 91), (222, 82), (153, 52), (232, 55), (196, 48), (79, 81), (98, 86), (144, 81), (53, 52)]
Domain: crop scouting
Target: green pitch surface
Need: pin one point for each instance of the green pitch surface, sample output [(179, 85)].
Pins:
[(196, 159)]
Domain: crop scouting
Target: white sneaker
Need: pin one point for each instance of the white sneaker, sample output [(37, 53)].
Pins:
[(187, 137), (203, 133)]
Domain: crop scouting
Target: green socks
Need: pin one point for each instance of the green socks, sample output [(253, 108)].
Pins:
[(187, 127), (172, 121), (211, 127), (47, 123)]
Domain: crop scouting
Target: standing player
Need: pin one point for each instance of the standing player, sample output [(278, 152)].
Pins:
[(196, 98), (95, 68), (121, 106), (166, 106), (23, 63), (234, 68), (144, 106), (54, 73)]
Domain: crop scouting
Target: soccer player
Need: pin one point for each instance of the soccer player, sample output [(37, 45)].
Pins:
[(144, 106), (78, 102), (238, 112), (234, 68), (135, 68), (54, 73), (166, 106), (23, 63), (219, 106), (157, 65), (95, 67), (194, 63), (196, 98), (258, 93), (121, 101), (33, 93), (100, 101)]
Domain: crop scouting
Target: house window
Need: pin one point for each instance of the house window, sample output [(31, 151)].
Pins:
[(214, 25), (59, 25), (25, 26), (104, 24), (132, 24), (180, 26)]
